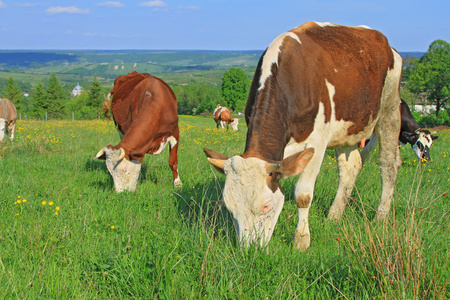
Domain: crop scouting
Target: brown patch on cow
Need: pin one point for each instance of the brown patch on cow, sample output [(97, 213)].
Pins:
[(273, 182), (303, 201)]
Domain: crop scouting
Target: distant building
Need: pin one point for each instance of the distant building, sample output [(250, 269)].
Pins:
[(77, 90)]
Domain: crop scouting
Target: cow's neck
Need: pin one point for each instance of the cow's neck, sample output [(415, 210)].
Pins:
[(268, 128)]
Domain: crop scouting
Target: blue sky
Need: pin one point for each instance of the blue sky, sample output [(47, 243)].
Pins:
[(208, 24)]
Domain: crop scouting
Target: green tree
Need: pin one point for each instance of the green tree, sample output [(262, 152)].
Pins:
[(40, 102), (13, 93), (430, 75), (55, 97), (235, 87), (95, 96)]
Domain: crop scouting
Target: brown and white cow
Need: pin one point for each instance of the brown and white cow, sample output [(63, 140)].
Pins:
[(318, 86), (8, 117), (144, 109), (222, 116)]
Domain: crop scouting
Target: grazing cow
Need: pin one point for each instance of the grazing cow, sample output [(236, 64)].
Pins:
[(8, 117), (318, 86), (144, 109), (410, 133), (223, 116)]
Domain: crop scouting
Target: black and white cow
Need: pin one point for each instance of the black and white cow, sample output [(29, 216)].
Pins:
[(411, 133), (318, 86)]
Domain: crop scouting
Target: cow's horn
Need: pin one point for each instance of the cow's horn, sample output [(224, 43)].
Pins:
[(122, 153), (272, 167), (100, 153), (217, 162)]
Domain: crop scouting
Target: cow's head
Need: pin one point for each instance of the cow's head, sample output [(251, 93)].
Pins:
[(3, 128), (234, 124), (125, 173), (252, 191), (421, 141)]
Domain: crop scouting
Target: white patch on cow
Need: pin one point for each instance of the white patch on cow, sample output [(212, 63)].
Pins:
[(2, 128), (177, 182), (327, 24), (364, 26), (426, 141), (164, 143), (271, 56)]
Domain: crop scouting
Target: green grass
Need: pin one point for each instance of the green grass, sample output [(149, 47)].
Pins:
[(180, 244)]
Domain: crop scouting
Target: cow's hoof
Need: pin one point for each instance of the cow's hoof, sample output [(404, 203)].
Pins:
[(177, 183), (302, 242)]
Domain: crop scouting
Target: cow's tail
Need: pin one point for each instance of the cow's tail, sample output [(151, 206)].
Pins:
[(106, 108)]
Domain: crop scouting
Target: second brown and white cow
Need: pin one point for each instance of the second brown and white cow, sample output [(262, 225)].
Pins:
[(318, 86), (144, 109), (222, 116), (8, 117)]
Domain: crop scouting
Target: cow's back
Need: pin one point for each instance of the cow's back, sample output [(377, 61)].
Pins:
[(341, 70)]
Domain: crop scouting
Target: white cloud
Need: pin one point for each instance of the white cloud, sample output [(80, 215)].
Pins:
[(2, 4), (154, 3), (111, 4), (68, 10), (191, 7)]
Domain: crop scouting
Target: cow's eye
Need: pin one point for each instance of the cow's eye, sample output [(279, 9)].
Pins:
[(267, 207), (270, 174)]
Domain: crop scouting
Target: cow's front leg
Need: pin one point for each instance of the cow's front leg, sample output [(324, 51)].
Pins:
[(304, 192), (173, 159), (13, 130)]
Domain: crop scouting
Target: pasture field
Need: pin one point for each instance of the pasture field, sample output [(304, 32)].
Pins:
[(65, 233)]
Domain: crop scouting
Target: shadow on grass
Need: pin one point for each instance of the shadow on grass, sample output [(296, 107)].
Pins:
[(202, 207)]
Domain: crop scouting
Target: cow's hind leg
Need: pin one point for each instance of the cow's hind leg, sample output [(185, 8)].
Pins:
[(349, 165), (388, 130), (304, 192), (173, 158)]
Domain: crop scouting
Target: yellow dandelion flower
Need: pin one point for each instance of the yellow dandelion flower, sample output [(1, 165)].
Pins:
[(50, 203), (56, 213), (24, 200), (19, 201), (18, 196), (43, 202), (57, 208), (112, 227)]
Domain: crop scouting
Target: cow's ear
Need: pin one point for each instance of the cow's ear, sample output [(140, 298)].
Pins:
[(216, 159), (294, 164), (434, 137)]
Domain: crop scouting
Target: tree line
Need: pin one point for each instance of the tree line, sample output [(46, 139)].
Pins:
[(49, 99)]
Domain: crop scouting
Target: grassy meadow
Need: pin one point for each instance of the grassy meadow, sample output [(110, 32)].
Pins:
[(65, 233)]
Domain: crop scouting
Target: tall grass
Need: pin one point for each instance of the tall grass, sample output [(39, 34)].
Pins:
[(161, 242)]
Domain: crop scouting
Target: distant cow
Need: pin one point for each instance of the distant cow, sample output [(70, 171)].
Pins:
[(222, 116), (410, 133), (144, 109), (318, 86), (8, 117)]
